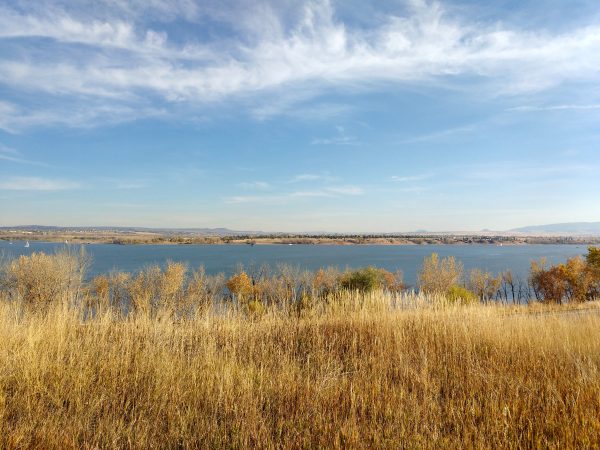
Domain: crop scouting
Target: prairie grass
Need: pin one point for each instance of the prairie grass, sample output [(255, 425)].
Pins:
[(354, 369), (368, 376)]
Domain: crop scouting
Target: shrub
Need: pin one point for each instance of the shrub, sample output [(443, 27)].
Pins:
[(326, 281), (198, 292), (170, 289), (439, 276), (364, 280), (101, 287), (254, 308), (240, 285), (143, 289), (40, 280), (393, 282), (460, 295)]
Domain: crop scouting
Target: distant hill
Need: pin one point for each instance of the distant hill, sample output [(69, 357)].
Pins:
[(573, 228)]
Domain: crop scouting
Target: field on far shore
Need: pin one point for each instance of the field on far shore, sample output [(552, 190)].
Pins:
[(158, 238)]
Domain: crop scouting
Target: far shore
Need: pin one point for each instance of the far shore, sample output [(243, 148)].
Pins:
[(146, 238)]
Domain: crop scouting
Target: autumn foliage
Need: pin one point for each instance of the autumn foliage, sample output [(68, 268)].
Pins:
[(577, 280)]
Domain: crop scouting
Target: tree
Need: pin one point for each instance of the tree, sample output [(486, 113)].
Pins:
[(438, 276), (508, 282), (572, 281), (578, 279), (484, 284), (593, 265), (549, 284), (593, 262)]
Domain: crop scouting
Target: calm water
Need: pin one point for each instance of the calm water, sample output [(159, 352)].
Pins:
[(225, 258)]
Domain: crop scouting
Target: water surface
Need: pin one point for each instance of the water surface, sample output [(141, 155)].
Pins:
[(226, 258)]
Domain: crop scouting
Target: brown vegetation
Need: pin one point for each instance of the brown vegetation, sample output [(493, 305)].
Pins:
[(161, 360), (578, 280)]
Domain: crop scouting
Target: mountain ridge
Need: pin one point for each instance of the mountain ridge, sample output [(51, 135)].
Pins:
[(567, 228)]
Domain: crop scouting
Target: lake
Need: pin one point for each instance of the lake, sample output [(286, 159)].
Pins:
[(226, 258)]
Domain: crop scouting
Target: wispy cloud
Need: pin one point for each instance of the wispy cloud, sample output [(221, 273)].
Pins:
[(346, 190), (564, 107), (341, 138), (37, 184), (411, 178), (330, 191), (436, 135), (518, 170), (255, 185), (120, 60), (14, 156), (311, 177), (130, 185)]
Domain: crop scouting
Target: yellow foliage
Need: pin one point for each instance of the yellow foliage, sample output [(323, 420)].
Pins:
[(438, 276), (240, 285)]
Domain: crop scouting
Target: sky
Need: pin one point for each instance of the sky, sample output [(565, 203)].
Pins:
[(341, 116)]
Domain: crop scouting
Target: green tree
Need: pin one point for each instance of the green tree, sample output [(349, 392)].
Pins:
[(364, 280)]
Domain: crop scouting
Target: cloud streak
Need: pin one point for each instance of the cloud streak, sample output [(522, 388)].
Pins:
[(37, 184), (330, 191), (118, 61)]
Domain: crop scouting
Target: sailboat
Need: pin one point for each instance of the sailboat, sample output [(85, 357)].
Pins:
[(27, 244)]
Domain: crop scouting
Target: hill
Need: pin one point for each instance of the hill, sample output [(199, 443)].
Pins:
[(572, 228)]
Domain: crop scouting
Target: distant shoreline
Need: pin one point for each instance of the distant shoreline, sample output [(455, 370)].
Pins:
[(136, 238)]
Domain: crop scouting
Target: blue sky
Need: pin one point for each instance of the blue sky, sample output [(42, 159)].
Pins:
[(300, 115)]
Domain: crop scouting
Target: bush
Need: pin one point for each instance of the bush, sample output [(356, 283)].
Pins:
[(369, 279), (326, 281), (40, 280), (240, 285), (439, 276), (461, 295)]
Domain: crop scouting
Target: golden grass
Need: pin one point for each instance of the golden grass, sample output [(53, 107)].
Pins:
[(358, 373)]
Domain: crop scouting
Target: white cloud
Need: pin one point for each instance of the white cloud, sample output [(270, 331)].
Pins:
[(437, 135), (36, 184), (341, 138), (119, 61), (127, 185), (564, 107), (411, 178), (14, 156), (311, 177), (330, 191), (256, 185), (309, 194), (346, 190)]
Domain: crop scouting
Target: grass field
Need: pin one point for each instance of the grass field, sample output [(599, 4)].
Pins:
[(356, 374)]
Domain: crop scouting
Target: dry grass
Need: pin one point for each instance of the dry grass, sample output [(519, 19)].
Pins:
[(357, 375), (161, 360)]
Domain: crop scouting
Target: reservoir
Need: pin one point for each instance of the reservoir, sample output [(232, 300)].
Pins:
[(226, 258)]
